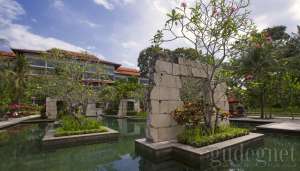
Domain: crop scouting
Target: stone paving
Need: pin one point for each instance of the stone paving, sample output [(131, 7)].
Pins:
[(278, 124), (291, 126), (258, 120), (14, 121)]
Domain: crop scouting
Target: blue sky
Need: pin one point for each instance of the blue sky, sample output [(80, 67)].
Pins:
[(116, 30)]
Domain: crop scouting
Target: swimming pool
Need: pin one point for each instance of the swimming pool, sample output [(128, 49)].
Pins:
[(23, 152)]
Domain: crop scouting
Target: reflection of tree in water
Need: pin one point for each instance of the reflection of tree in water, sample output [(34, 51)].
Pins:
[(24, 152)]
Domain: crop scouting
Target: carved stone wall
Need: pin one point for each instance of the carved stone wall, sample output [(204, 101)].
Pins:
[(164, 95)]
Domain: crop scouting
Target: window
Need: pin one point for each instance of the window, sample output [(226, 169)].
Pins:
[(37, 62), (37, 71), (130, 106)]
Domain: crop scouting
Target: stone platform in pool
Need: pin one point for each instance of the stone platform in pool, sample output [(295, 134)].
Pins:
[(285, 127), (50, 141), (15, 121), (192, 155), (257, 120)]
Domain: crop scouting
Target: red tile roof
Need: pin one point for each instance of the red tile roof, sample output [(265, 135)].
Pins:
[(4, 54), (128, 71), (77, 55)]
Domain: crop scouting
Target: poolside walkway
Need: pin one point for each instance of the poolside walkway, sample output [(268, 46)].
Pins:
[(258, 120), (288, 127), (278, 124), (14, 121)]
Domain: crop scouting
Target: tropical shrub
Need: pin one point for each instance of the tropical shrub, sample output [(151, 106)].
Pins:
[(196, 137), (70, 125), (190, 114)]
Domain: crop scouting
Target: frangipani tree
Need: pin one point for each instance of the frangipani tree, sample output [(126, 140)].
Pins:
[(213, 28)]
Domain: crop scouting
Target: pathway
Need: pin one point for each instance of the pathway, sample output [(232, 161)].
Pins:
[(14, 121), (278, 124)]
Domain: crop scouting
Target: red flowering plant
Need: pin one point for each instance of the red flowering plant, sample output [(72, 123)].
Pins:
[(14, 107), (189, 115)]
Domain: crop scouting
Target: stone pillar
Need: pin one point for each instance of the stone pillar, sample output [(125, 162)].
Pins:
[(137, 107), (51, 108), (91, 110), (122, 108), (164, 98)]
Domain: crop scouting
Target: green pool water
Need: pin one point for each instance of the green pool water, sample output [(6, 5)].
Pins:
[(23, 152)]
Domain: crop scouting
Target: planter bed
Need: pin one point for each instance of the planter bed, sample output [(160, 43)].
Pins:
[(193, 139), (52, 140), (194, 156), (68, 133)]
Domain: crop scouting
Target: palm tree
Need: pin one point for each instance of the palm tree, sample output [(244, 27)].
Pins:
[(18, 77)]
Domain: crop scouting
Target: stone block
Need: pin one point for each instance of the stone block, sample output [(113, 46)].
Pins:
[(174, 94), (154, 106), (197, 72), (164, 93), (176, 69), (91, 110), (173, 105), (183, 61), (178, 82), (165, 80), (185, 70), (51, 108), (164, 107), (154, 94), (152, 133), (162, 121), (167, 134), (163, 66)]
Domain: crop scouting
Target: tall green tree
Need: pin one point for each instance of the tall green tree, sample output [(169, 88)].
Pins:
[(266, 71), (212, 28)]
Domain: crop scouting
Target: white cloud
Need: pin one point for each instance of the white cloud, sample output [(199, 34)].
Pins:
[(128, 1), (262, 22), (128, 63), (9, 10), (129, 44), (90, 24), (34, 20), (110, 4), (59, 4), (294, 10), (20, 36), (105, 3)]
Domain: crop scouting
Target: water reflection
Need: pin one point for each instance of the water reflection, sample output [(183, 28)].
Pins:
[(23, 152)]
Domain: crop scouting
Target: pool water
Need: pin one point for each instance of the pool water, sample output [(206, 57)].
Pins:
[(23, 152)]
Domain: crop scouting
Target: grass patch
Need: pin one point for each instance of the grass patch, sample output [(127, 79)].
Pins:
[(195, 136), (71, 126)]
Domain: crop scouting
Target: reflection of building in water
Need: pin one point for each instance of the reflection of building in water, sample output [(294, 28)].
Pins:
[(130, 128)]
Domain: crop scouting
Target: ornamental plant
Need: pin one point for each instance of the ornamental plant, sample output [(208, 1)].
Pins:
[(190, 114), (213, 28)]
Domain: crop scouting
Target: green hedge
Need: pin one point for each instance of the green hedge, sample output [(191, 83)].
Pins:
[(196, 138), (59, 132), (81, 125)]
